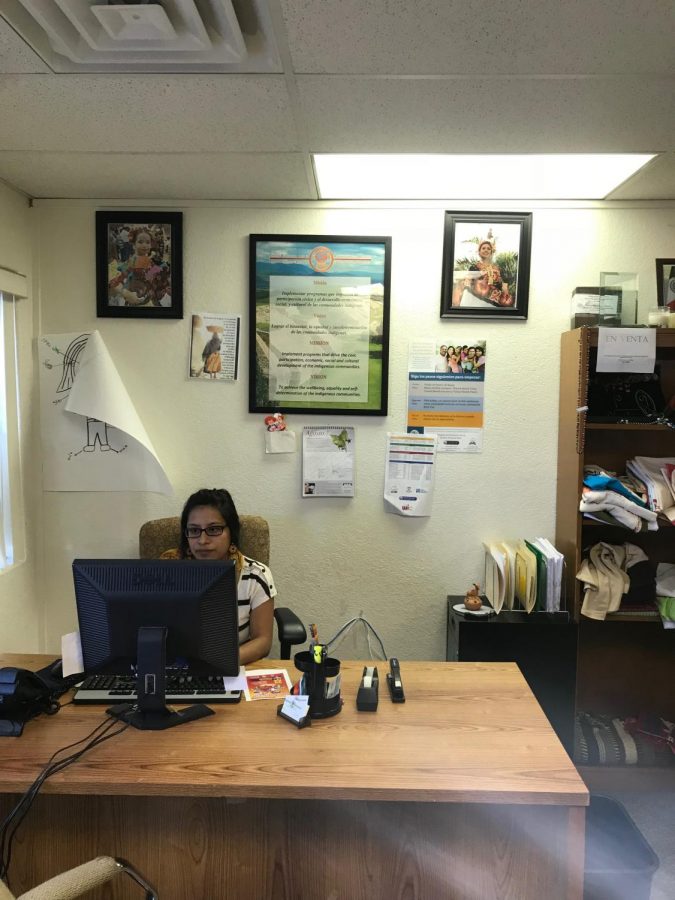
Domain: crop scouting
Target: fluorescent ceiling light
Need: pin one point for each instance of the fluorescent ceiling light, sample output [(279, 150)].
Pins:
[(412, 176)]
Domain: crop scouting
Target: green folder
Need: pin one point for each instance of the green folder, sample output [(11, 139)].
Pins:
[(542, 572)]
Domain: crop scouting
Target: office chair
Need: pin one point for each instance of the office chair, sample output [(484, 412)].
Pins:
[(80, 880), (159, 535)]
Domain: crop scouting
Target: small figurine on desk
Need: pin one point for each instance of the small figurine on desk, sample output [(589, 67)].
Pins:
[(472, 599)]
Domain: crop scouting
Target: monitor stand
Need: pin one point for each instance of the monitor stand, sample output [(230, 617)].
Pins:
[(150, 712)]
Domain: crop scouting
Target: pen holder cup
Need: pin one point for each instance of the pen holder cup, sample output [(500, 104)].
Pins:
[(316, 674)]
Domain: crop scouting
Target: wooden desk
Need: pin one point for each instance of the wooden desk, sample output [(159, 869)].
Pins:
[(463, 792)]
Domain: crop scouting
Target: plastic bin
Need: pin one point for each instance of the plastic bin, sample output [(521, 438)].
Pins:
[(619, 861)]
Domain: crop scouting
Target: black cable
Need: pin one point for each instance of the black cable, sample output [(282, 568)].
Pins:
[(105, 724), (11, 824), (53, 766)]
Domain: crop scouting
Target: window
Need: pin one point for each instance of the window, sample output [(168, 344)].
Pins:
[(11, 476)]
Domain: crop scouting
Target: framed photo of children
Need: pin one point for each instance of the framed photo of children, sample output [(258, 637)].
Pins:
[(486, 265), (139, 264)]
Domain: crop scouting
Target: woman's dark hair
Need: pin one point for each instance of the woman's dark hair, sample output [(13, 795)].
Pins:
[(221, 500)]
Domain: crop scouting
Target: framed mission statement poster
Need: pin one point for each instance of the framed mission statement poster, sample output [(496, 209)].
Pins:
[(319, 335)]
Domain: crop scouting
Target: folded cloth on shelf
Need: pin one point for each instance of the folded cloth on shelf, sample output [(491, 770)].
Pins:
[(665, 580), (665, 591), (666, 607), (606, 482), (625, 511), (605, 577)]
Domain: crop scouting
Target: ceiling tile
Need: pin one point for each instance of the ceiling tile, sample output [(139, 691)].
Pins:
[(487, 115), (656, 181), (474, 36), (15, 54), (160, 176), (146, 112)]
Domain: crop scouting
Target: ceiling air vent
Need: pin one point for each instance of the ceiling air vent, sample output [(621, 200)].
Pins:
[(147, 35)]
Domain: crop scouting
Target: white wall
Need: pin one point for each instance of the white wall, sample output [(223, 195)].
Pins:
[(335, 558), (20, 605)]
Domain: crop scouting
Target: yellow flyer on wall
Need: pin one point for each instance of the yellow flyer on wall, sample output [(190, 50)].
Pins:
[(446, 384)]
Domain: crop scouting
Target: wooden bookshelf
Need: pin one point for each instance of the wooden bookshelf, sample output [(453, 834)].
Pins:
[(627, 663)]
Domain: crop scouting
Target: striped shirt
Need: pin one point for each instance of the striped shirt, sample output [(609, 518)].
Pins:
[(254, 587)]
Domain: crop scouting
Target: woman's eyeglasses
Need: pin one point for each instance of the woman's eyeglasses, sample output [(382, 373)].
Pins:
[(194, 532)]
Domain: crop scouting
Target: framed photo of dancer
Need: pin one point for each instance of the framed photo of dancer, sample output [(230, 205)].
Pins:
[(486, 265), (139, 264)]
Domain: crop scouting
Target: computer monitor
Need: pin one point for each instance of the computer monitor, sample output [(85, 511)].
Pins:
[(143, 617), (195, 600)]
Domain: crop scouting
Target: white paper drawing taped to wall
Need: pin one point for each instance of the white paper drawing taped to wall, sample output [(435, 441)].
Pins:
[(92, 437)]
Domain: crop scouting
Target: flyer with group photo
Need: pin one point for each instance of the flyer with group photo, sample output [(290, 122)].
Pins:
[(446, 384)]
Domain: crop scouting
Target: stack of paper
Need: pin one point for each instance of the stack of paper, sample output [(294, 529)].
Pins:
[(528, 573), (526, 577), (653, 472), (549, 574), (500, 563)]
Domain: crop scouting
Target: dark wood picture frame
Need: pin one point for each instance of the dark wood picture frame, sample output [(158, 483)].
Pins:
[(143, 284), (479, 282), (665, 282), (318, 344)]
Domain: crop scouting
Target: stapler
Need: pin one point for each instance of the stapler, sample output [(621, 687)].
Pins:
[(394, 682)]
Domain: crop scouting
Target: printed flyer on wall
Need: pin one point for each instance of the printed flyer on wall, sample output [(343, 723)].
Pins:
[(445, 393), (214, 347), (328, 461), (409, 474)]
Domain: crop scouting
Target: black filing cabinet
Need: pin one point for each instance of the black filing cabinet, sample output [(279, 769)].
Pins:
[(544, 646)]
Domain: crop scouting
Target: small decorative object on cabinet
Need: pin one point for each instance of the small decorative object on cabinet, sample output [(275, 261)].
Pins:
[(626, 663)]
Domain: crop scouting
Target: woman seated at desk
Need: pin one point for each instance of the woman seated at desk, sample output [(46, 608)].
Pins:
[(209, 529)]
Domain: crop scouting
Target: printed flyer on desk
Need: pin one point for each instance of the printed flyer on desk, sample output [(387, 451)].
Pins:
[(266, 684), (445, 393)]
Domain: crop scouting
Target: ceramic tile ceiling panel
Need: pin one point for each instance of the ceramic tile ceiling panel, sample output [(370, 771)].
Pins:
[(158, 36), (479, 115), (477, 36), (146, 112), (160, 176)]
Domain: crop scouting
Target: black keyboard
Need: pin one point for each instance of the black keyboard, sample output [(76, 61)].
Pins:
[(179, 689)]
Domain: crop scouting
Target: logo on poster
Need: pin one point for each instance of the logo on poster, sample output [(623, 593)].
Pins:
[(321, 259)]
